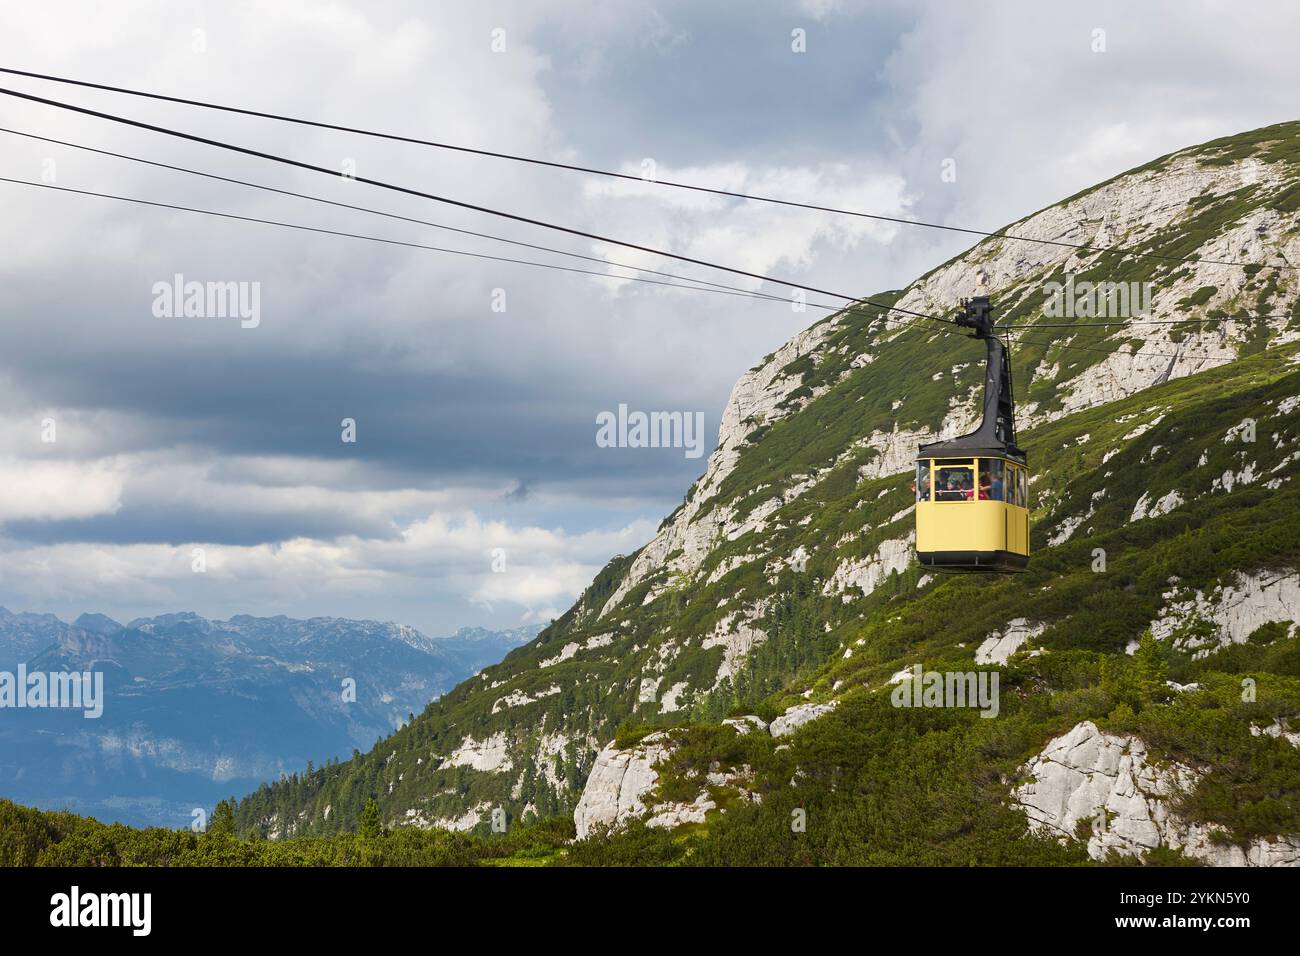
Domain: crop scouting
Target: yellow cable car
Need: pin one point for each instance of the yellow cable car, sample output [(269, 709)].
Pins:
[(972, 492)]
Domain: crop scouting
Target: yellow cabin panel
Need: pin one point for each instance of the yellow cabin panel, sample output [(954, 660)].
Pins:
[(967, 526)]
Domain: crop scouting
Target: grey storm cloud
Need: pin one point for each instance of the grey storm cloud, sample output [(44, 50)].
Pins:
[(727, 67)]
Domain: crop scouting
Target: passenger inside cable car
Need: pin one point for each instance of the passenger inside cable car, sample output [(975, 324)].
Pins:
[(953, 484), (992, 475)]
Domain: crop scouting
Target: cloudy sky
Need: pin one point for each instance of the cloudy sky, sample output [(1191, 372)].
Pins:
[(476, 427)]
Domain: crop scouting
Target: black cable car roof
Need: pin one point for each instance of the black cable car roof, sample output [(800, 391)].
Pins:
[(996, 435)]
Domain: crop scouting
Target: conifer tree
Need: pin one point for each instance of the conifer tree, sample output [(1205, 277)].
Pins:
[(370, 827)]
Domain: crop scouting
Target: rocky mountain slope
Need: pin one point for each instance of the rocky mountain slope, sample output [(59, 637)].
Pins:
[(197, 709), (739, 668)]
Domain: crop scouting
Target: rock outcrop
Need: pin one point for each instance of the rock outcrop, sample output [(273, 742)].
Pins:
[(998, 647), (866, 575), (1233, 612), (1108, 783), (798, 715), (623, 781), (747, 723), (737, 636), (618, 781), (485, 755)]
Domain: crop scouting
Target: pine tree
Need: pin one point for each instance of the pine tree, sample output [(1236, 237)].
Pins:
[(223, 818), (1152, 670), (370, 827)]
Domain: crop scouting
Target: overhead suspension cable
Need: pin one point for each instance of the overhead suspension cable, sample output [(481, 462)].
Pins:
[(855, 308), (531, 160), (562, 252), (371, 211), (851, 309), (244, 150), (386, 241)]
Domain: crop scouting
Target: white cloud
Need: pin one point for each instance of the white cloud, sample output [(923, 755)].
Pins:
[(753, 236), (1015, 94), (440, 555), (57, 490)]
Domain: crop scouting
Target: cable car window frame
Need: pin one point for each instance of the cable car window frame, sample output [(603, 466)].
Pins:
[(996, 469), (924, 490), (940, 464), (1016, 486)]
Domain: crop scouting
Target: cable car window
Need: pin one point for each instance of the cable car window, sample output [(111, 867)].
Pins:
[(992, 479), (955, 483), (922, 481), (1015, 488), (1024, 487)]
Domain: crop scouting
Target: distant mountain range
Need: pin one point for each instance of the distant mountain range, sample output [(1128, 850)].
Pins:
[(197, 710)]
